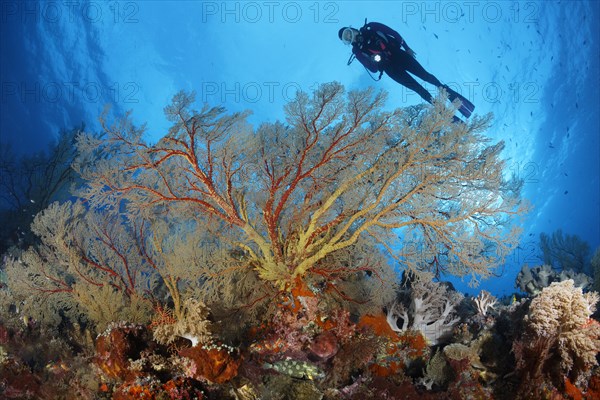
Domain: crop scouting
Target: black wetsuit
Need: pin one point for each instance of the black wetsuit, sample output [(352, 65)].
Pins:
[(396, 62)]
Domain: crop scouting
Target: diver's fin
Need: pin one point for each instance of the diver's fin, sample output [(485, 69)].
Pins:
[(467, 104), (466, 108)]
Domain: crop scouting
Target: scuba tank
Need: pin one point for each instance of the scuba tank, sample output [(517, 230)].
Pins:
[(374, 45), (380, 46)]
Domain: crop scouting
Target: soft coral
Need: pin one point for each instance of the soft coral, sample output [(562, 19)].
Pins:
[(431, 311)]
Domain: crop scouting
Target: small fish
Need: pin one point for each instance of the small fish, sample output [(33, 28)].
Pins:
[(566, 192), (268, 346), (296, 369), (58, 366)]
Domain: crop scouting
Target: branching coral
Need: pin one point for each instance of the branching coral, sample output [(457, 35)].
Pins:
[(105, 304), (596, 269), (561, 315), (533, 280), (338, 170), (87, 266), (484, 301), (431, 311), (565, 251), (193, 325)]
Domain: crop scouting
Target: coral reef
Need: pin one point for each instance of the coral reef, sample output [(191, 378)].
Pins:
[(431, 311), (192, 325), (565, 252), (553, 338), (596, 270), (437, 372), (209, 287), (117, 347), (561, 339), (214, 363), (104, 305), (533, 280), (154, 389), (325, 345), (484, 301)]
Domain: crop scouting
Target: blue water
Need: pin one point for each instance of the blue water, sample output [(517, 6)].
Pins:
[(534, 64)]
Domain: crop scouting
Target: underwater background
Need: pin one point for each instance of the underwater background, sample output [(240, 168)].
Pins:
[(114, 293), (534, 64)]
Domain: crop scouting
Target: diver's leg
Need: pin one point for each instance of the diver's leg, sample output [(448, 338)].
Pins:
[(414, 67), (403, 78)]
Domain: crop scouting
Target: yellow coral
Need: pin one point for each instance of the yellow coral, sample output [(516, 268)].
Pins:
[(105, 304), (562, 313)]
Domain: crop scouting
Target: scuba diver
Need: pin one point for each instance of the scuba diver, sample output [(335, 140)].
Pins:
[(380, 48)]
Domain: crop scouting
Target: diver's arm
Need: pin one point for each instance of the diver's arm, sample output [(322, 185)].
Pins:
[(365, 60), (409, 50), (376, 26)]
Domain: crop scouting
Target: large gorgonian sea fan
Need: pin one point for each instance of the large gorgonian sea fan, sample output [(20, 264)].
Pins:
[(295, 197)]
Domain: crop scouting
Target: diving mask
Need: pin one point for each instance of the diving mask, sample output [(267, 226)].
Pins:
[(349, 35)]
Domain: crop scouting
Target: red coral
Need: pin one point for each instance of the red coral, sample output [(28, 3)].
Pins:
[(378, 324), (214, 364), (572, 391), (4, 334), (286, 332), (178, 388), (162, 316), (115, 349), (466, 384), (593, 391), (402, 349), (414, 344), (341, 325), (382, 388), (18, 382), (389, 369)]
